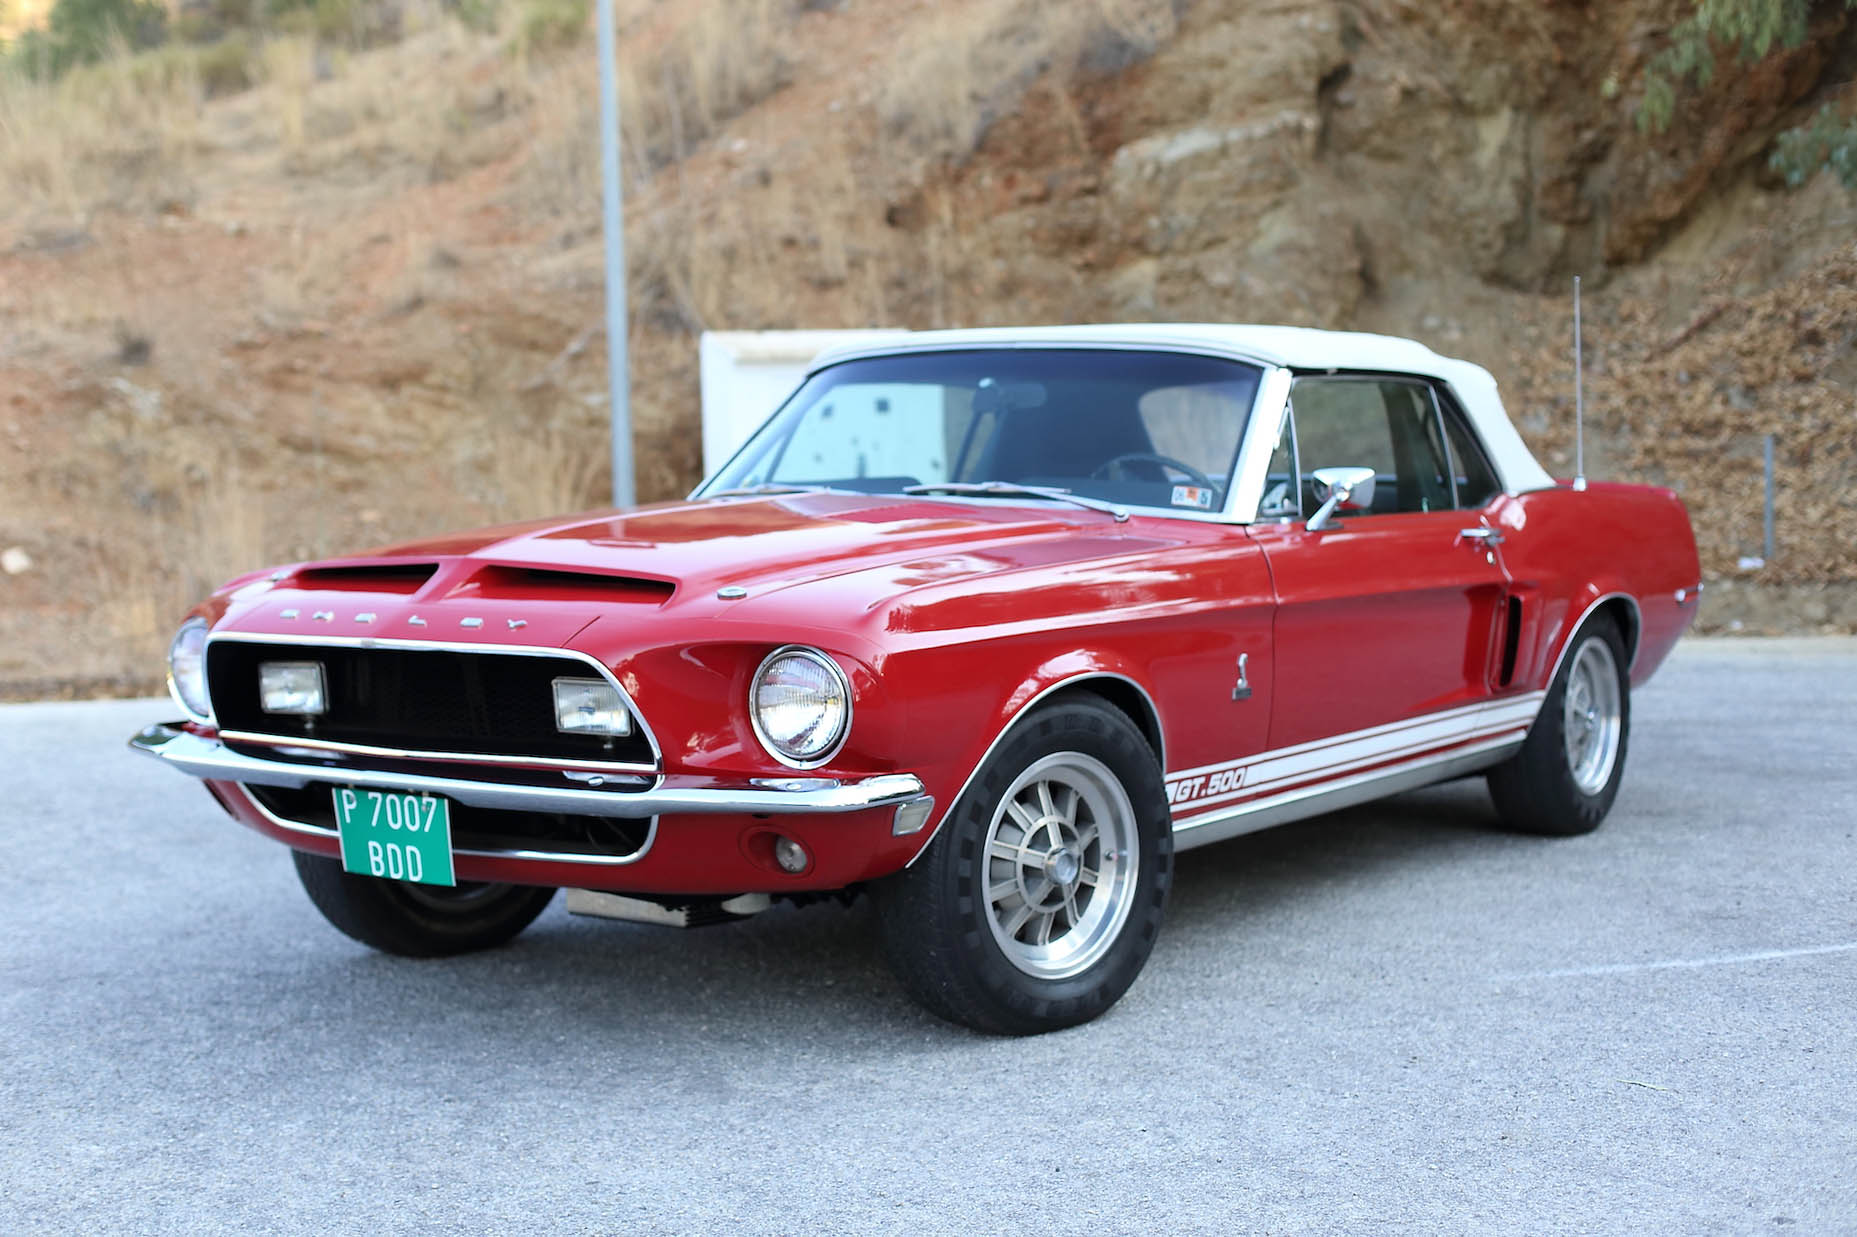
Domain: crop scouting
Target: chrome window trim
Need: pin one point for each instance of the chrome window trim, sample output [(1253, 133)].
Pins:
[(1228, 512), (844, 685), (445, 646), (1573, 630), (1289, 416), (1430, 386), (1260, 442), (1434, 383), (538, 856), (1444, 440), (1160, 727), (1463, 419)]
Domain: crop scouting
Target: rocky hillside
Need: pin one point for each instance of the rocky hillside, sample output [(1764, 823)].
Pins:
[(363, 299)]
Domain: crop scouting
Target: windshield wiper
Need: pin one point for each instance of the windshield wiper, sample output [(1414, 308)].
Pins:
[(1004, 489), (773, 487)]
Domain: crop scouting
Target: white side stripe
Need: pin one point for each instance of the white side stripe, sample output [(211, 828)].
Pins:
[(1208, 785)]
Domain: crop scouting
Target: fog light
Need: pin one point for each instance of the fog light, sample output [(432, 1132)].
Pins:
[(294, 687), (590, 706), (790, 855)]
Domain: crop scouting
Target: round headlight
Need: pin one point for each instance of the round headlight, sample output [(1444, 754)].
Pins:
[(187, 669), (801, 706)]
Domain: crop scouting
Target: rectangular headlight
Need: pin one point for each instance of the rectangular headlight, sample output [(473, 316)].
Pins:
[(590, 706), (294, 687)]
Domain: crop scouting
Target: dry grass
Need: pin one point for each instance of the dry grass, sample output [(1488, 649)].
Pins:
[(290, 70), (120, 133), (679, 85), (685, 71), (979, 58), (356, 287), (534, 471)]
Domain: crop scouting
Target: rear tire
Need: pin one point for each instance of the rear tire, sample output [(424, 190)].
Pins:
[(418, 921), (1563, 780), (1038, 901)]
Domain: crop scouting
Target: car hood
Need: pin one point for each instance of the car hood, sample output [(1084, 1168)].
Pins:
[(772, 542), (860, 549)]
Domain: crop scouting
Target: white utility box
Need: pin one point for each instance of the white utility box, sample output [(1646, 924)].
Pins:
[(746, 375)]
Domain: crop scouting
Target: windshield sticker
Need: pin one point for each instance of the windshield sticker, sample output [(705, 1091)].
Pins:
[(1193, 496)]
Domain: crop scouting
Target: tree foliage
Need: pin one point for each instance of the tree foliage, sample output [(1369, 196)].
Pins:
[(1753, 29), (82, 31), (1830, 141)]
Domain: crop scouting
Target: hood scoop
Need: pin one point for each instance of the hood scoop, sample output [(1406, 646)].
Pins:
[(501, 582), (401, 579)]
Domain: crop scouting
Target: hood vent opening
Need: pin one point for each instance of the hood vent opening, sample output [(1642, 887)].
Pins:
[(504, 583), (400, 578)]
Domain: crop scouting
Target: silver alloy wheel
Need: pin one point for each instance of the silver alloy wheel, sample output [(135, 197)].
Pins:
[(1593, 721), (1061, 857)]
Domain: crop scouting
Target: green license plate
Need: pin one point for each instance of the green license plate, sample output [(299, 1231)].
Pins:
[(396, 834)]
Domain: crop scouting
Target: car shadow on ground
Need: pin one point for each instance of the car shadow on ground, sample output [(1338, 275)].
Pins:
[(1218, 887), (816, 971)]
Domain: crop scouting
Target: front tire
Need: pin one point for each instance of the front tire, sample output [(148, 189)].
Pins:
[(1038, 902), (418, 921), (1563, 780)]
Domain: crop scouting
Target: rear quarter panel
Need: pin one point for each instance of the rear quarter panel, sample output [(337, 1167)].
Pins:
[(1567, 550)]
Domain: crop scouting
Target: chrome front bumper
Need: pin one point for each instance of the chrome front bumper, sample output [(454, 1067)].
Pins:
[(213, 760)]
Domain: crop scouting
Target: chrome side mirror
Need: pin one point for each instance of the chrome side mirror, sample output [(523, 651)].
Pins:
[(1340, 489)]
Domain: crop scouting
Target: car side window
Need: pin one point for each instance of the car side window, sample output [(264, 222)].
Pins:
[(1282, 495), (1470, 467), (1386, 424)]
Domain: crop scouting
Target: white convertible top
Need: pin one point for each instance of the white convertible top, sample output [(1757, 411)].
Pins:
[(1293, 347)]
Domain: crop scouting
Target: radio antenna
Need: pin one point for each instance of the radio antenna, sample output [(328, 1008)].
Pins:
[(1579, 396)]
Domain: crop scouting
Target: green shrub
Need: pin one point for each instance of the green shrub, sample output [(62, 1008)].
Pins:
[(478, 15), (353, 23), (87, 29), (1754, 29), (1830, 141), (196, 28), (228, 66), (84, 31), (549, 24)]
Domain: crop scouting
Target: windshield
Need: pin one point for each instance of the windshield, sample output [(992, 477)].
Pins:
[(1144, 429)]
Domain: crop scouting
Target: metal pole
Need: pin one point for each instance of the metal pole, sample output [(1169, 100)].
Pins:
[(618, 373), (1767, 526), (1579, 396)]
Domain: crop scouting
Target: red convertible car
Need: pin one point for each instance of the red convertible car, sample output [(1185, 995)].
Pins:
[(985, 624)]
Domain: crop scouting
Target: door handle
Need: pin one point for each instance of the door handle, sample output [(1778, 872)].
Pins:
[(1488, 536)]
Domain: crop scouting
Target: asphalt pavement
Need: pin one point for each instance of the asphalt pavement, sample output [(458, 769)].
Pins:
[(1395, 1019)]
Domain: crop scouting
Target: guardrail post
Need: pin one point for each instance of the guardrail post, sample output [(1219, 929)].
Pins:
[(1767, 516)]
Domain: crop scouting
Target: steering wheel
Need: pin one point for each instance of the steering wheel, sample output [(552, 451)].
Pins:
[(1107, 470)]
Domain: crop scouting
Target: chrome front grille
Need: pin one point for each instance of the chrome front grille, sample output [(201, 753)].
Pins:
[(429, 701)]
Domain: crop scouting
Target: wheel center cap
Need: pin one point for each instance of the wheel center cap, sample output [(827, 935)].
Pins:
[(1063, 864)]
